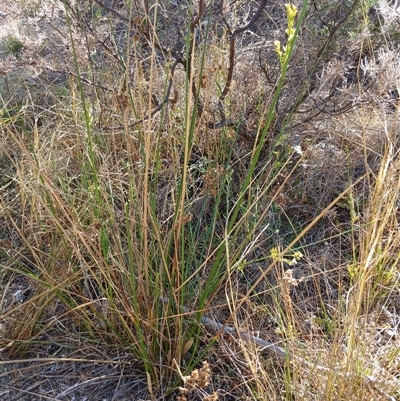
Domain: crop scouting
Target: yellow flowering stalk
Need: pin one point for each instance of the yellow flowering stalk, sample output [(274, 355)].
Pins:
[(279, 51), (283, 53), (275, 255), (291, 11)]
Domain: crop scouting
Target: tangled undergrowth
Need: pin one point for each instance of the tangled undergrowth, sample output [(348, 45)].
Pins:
[(199, 200)]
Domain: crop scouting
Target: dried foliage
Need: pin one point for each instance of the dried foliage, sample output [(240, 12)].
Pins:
[(127, 131)]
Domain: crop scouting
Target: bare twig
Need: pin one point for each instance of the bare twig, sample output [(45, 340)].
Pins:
[(155, 110), (212, 324), (187, 62)]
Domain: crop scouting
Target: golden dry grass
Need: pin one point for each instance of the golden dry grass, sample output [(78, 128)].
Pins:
[(168, 258)]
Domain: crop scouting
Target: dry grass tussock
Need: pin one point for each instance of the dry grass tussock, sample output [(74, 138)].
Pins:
[(190, 210)]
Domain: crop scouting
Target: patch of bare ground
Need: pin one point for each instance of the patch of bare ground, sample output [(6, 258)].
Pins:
[(58, 371)]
